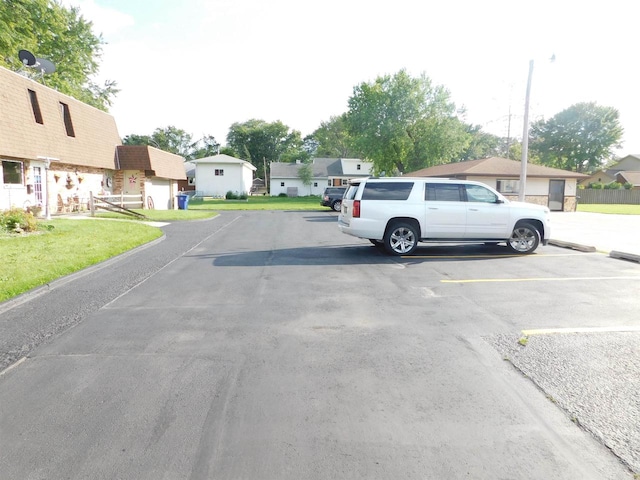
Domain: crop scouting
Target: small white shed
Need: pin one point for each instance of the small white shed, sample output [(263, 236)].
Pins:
[(219, 174)]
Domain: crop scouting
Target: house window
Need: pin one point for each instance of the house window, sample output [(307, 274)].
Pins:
[(192, 181), (315, 184), (11, 172), (358, 167), (35, 106), (508, 186), (219, 172), (282, 184), (345, 181), (66, 114)]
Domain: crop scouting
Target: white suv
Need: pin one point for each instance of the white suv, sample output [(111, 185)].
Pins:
[(400, 212)]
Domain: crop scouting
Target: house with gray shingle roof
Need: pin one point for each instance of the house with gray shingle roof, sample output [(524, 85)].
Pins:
[(326, 172), (548, 186)]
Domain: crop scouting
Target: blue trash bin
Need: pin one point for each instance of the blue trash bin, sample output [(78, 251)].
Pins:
[(183, 202)]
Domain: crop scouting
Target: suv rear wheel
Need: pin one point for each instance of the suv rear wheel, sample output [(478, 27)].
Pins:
[(401, 238), (524, 239)]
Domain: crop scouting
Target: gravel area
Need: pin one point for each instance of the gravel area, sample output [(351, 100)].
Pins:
[(594, 377)]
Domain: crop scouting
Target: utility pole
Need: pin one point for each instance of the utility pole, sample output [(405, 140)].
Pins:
[(525, 138)]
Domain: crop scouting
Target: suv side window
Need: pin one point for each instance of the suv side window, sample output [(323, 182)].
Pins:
[(387, 190), (476, 193), (444, 192)]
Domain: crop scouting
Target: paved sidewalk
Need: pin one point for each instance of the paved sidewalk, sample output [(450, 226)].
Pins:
[(617, 235)]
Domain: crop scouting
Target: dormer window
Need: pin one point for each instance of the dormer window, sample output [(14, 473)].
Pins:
[(35, 106), (66, 114)]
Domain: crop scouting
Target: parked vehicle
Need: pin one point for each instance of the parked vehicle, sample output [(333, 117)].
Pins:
[(332, 197), (400, 212)]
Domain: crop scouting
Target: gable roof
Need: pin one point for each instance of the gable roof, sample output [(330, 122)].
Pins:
[(226, 159), (143, 157), (321, 168), (630, 177), (493, 167)]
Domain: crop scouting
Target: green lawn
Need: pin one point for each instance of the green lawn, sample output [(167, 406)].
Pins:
[(258, 202), (32, 260), (619, 209)]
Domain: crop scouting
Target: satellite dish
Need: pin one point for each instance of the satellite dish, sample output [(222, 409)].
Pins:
[(27, 58), (45, 66)]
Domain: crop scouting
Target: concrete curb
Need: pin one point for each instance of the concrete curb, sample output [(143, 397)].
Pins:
[(632, 257), (574, 246)]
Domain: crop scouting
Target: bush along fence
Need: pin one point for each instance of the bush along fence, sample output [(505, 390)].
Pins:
[(609, 197)]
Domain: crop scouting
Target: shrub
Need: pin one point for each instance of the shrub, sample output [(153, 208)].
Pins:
[(17, 221), (595, 186), (627, 186), (231, 195), (283, 195), (613, 186)]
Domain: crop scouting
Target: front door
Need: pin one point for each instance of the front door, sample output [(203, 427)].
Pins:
[(37, 184), (556, 195)]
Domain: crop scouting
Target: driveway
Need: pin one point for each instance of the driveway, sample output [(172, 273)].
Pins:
[(268, 345)]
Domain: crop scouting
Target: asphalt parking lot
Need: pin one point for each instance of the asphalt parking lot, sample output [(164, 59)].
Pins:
[(267, 344)]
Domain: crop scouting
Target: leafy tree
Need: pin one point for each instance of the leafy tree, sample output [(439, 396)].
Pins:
[(61, 35), (483, 145), (403, 124), (305, 174), (581, 138), (175, 140), (333, 139), (260, 143), (207, 146)]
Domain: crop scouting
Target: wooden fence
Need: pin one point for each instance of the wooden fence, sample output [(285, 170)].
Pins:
[(116, 203), (610, 197)]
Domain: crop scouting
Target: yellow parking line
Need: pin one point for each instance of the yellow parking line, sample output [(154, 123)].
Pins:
[(542, 279), (547, 331)]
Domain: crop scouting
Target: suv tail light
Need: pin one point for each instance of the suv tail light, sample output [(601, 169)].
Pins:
[(356, 209)]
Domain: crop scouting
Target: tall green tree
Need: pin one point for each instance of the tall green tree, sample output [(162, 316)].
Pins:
[(260, 143), (61, 35), (333, 139), (402, 124), (581, 138), (176, 140), (483, 145)]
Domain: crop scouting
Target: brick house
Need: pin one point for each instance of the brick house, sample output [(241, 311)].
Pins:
[(54, 150)]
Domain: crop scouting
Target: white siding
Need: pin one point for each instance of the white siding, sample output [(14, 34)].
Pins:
[(235, 178), (350, 166), (316, 188)]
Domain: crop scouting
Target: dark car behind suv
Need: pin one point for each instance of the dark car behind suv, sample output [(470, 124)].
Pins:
[(332, 197)]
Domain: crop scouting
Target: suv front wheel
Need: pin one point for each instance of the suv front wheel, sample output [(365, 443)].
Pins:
[(401, 238), (524, 239)]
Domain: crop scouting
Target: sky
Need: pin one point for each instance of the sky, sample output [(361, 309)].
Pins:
[(202, 65)]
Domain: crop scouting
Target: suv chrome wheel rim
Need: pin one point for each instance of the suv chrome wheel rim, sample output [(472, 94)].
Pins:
[(402, 240), (522, 239)]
